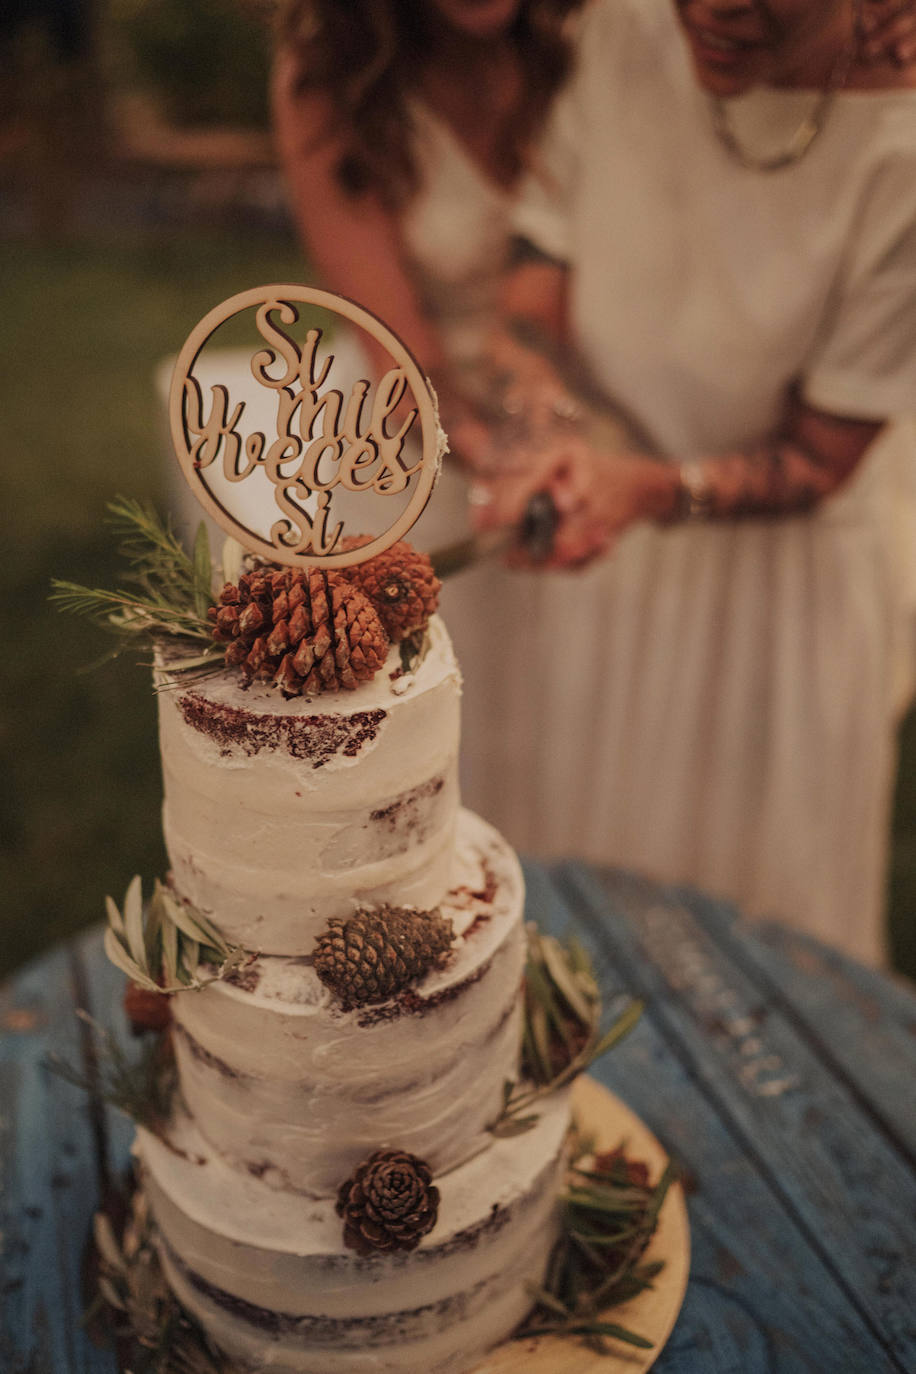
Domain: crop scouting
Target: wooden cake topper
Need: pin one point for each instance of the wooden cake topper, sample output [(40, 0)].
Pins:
[(312, 442)]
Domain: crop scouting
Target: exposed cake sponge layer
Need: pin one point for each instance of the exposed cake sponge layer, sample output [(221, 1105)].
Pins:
[(286, 1084), (268, 1277), (279, 814)]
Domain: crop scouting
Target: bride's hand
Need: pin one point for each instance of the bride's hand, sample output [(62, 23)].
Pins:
[(890, 30), (597, 496)]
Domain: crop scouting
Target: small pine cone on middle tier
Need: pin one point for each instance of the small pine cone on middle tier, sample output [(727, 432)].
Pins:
[(307, 630), (377, 954)]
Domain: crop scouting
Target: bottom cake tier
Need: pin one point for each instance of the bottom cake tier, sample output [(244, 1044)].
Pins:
[(268, 1277)]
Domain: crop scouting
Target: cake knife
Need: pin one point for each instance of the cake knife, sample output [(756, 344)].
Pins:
[(534, 534)]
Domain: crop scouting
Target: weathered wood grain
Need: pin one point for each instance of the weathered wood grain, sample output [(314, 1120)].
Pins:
[(652, 1314), (860, 1022), (48, 1179), (775, 1074), (849, 1195)]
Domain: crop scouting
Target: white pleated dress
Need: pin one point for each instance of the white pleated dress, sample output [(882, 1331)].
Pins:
[(712, 704)]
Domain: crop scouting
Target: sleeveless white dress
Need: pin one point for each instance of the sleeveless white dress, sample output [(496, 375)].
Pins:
[(712, 704)]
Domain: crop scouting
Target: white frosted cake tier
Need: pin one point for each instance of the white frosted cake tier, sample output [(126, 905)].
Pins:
[(268, 1277), (287, 1085), (280, 814)]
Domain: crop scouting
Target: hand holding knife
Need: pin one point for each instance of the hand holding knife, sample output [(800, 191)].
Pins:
[(534, 534)]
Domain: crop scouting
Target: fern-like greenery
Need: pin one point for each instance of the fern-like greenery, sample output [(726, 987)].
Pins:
[(168, 592), (609, 1214), (141, 1087)]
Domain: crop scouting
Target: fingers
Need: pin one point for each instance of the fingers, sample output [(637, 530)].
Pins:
[(889, 28)]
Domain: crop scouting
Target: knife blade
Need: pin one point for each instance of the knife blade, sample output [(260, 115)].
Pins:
[(534, 533)]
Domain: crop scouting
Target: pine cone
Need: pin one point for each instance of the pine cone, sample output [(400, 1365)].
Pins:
[(401, 585), (377, 954), (389, 1203), (146, 1010), (306, 630)]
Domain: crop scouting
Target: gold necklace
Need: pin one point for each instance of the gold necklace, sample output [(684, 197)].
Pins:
[(808, 129)]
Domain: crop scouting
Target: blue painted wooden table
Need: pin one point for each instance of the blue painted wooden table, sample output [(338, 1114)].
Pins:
[(782, 1078)]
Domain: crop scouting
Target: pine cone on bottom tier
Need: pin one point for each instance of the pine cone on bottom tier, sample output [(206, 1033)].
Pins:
[(377, 954), (307, 631), (400, 583), (388, 1203)]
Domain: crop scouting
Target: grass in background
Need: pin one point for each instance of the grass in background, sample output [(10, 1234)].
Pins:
[(82, 330), (83, 327)]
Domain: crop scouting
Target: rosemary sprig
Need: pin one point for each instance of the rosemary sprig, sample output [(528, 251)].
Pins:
[(161, 946), (606, 1196), (562, 1033), (609, 1214), (170, 591), (140, 1087)]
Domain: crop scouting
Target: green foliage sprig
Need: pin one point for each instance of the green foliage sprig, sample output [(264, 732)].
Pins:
[(140, 1308), (162, 944), (609, 1214), (168, 595), (562, 1034), (140, 1087)]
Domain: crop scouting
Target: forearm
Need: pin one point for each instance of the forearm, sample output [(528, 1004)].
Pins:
[(790, 474)]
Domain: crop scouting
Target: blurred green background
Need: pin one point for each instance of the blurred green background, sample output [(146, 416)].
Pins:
[(137, 190)]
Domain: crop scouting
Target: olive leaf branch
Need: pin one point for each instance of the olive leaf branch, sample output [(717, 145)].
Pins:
[(562, 1035), (161, 945)]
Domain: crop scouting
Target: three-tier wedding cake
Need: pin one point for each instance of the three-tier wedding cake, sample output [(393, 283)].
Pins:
[(329, 1194)]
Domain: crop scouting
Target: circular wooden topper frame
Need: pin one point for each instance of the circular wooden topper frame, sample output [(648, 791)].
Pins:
[(276, 296)]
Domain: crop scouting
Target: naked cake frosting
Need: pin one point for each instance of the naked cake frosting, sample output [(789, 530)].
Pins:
[(294, 825), (353, 1134)]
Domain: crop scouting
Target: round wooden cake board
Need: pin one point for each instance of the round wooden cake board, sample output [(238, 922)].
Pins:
[(653, 1313)]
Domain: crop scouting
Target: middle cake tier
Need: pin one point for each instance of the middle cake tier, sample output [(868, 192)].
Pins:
[(286, 1084)]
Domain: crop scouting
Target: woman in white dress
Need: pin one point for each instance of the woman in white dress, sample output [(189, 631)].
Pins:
[(403, 129), (725, 224), (426, 258)]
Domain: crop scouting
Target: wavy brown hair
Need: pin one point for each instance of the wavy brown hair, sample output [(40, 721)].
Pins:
[(363, 55)]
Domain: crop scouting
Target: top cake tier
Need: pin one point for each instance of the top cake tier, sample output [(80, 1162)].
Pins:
[(281, 814)]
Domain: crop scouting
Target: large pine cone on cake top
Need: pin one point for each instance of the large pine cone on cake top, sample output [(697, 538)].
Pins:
[(400, 583), (307, 630), (377, 954), (389, 1203)]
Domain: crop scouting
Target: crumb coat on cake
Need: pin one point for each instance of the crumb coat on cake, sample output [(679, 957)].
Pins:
[(285, 1083), (269, 1274), (280, 814)]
